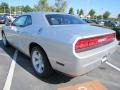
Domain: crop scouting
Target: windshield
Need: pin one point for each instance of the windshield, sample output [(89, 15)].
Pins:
[(59, 19)]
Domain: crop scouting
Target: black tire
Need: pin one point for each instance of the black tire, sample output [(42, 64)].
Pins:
[(47, 67), (5, 42)]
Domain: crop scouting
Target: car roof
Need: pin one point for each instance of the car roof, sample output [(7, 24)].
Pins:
[(45, 13)]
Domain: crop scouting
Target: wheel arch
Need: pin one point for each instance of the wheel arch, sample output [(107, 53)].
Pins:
[(33, 44)]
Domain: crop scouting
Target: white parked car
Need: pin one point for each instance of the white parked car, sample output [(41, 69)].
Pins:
[(61, 42)]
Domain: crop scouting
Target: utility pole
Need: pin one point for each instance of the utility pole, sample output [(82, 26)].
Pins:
[(20, 7), (10, 7), (4, 10), (87, 10), (102, 14), (15, 10)]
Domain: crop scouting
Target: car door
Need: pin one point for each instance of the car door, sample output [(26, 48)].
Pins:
[(24, 33), (17, 26)]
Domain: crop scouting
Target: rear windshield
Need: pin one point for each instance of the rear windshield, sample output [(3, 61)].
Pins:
[(59, 19)]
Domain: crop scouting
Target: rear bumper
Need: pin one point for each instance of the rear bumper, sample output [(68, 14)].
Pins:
[(94, 63), (89, 60)]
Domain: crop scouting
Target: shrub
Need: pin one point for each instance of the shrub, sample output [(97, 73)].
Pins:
[(117, 29)]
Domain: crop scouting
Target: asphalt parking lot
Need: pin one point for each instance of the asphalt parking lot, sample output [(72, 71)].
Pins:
[(16, 73)]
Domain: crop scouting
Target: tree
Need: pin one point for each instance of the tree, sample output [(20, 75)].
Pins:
[(60, 5), (42, 6), (106, 15), (71, 11), (17, 9), (27, 9), (4, 8), (36, 8), (119, 17), (81, 12), (99, 17), (92, 13), (12, 9), (51, 8)]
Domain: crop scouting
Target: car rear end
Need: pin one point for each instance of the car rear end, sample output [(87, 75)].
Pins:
[(91, 52), (80, 47)]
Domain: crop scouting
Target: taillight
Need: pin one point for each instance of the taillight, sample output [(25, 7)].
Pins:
[(82, 44), (110, 37), (86, 44)]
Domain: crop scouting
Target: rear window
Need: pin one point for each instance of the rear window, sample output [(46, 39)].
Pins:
[(59, 19)]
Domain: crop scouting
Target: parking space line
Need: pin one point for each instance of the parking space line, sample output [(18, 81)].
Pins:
[(11, 72), (113, 66)]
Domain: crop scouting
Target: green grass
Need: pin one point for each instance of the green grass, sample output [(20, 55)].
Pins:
[(117, 29)]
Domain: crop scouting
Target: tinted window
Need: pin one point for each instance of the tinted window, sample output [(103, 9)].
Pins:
[(59, 19), (23, 21), (20, 21)]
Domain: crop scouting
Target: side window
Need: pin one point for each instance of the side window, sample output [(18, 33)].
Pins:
[(28, 21), (20, 21)]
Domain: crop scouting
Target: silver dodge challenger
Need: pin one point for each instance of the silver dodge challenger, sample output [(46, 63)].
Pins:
[(58, 41)]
